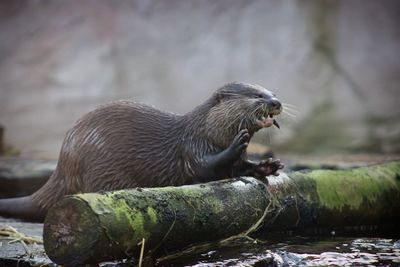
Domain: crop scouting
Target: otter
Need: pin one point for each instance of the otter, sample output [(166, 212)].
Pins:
[(125, 144)]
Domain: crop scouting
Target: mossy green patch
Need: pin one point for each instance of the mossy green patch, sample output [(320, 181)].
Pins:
[(195, 195), (152, 215), (114, 210), (137, 223), (350, 188)]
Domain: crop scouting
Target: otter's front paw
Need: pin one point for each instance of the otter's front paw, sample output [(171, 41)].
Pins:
[(240, 143), (269, 167)]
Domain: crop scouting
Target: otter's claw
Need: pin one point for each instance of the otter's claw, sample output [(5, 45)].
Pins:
[(269, 167), (240, 142)]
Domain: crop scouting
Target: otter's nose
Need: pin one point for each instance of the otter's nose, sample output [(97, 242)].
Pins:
[(275, 103)]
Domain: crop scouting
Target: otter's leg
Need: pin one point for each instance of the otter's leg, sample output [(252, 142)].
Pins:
[(259, 170), (219, 166)]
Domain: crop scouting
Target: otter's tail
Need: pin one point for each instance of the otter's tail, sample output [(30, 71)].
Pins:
[(22, 208)]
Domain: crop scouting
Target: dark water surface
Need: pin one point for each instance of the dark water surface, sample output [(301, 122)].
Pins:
[(300, 251)]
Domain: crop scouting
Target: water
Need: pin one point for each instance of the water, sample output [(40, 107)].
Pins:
[(300, 251)]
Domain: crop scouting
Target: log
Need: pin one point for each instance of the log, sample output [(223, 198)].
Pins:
[(330, 201), (90, 228)]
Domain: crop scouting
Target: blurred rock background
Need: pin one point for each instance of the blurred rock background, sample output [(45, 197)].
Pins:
[(338, 62)]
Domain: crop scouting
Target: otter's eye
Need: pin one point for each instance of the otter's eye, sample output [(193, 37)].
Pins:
[(259, 96)]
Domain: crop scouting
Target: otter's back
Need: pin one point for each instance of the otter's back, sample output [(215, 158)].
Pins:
[(120, 145)]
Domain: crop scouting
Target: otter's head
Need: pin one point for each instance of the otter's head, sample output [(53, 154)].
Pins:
[(238, 106)]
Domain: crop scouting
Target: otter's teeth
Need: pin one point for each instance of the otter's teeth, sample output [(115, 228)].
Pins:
[(262, 121)]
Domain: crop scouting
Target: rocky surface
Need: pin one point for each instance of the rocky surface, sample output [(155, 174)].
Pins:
[(17, 252)]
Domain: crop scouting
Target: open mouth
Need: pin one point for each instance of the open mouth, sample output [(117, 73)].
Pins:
[(269, 120)]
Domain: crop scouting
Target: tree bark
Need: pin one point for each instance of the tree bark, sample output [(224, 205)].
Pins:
[(328, 200), (89, 228)]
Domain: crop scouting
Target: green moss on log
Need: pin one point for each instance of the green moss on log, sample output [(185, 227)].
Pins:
[(167, 218), (351, 188)]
